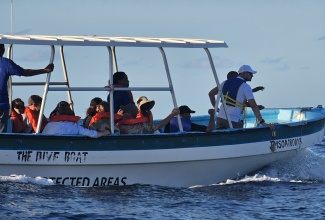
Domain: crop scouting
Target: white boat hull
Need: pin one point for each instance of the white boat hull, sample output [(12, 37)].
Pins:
[(183, 167)]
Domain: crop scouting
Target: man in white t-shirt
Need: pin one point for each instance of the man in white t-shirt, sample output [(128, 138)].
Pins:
[(236, 91)]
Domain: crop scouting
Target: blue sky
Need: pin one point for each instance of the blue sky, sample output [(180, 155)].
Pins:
[(283, 40)]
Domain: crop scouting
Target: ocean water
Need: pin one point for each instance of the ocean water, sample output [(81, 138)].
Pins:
[(290, 189)]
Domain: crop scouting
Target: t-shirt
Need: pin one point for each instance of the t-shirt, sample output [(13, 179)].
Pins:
[(7, 68), (120, 98), (68, 128)]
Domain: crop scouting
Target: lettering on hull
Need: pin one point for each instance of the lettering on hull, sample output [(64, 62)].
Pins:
[(286, 143), (52, 156), (86, 181)]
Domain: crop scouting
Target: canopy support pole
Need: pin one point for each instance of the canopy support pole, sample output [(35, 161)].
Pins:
[(172, 92), (111, 59), (66, 79), (220, 91), (46, 88), (9, 83)]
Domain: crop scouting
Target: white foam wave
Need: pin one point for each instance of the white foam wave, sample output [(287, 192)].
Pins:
[(307, 166), (24, 179)]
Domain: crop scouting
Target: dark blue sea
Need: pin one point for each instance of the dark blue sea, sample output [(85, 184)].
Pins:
[(290, 189)]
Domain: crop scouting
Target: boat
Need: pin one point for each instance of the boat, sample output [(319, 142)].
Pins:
[(181, 159)]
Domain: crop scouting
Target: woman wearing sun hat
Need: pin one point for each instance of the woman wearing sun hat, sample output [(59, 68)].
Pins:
[(145, 106)]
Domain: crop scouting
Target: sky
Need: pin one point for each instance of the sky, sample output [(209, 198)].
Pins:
[(284, 41)]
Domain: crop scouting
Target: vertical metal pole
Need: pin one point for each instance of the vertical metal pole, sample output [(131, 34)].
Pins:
[(65, 74), (218, 84), (114, 59), (111, 98), (11, 17), (46, 88), (9, 83), (171, 87)]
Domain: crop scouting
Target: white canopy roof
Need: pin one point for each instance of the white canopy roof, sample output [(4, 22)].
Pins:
[(110, 41)]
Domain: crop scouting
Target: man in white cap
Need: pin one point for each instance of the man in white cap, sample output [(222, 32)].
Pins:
[(236, 91)]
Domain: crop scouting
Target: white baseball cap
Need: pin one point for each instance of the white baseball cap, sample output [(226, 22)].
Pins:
[(246, 68)]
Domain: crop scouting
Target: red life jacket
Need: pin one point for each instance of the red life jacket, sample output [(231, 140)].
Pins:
[(104, 115), (32, 116), (17, 122), (149, 117), (70, 118)]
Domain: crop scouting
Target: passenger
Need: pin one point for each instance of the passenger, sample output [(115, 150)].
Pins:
[(185, 115), (232, 74), (32, 112), (9, 68), (17, 109), (236, 91), (66, 123), (101, 121), (144, 108), (132, 125), (120, 80), (54, 112), (91, 111)]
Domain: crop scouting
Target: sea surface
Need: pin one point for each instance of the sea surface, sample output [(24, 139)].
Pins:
[(290, 189)]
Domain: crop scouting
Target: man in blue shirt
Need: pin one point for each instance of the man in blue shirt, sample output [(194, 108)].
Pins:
[(121, 98), (185, 114), (9, 68)]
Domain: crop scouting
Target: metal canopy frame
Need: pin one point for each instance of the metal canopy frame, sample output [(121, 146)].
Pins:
[(111, 43)]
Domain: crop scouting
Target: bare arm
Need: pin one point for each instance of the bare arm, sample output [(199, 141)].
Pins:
[(257, 112), (165, 121), (258, 88), (211, 121), (47, 69), (212, 94)]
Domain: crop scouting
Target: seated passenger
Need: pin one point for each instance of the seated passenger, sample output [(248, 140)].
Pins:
[(17, 109), (144, 107), (185, 114), (132, 125), (120, 80), (32, 112), (66, 123), (91, 111), (101, 121)]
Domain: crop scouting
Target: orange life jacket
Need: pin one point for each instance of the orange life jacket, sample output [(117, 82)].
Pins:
[(132, 121), (70, 118), (32, 116), (149, 117), (17, 122), (104, 115)]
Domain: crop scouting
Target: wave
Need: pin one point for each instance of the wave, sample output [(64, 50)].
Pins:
[(305, 167), (25, 179)]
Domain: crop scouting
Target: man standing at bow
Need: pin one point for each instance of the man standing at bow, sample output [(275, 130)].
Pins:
[(9, 68)]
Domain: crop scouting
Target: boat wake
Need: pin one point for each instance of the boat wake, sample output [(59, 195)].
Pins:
[(305, 167), (25, 179)]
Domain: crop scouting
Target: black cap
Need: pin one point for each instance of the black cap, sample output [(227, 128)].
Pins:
[(185, 109)]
